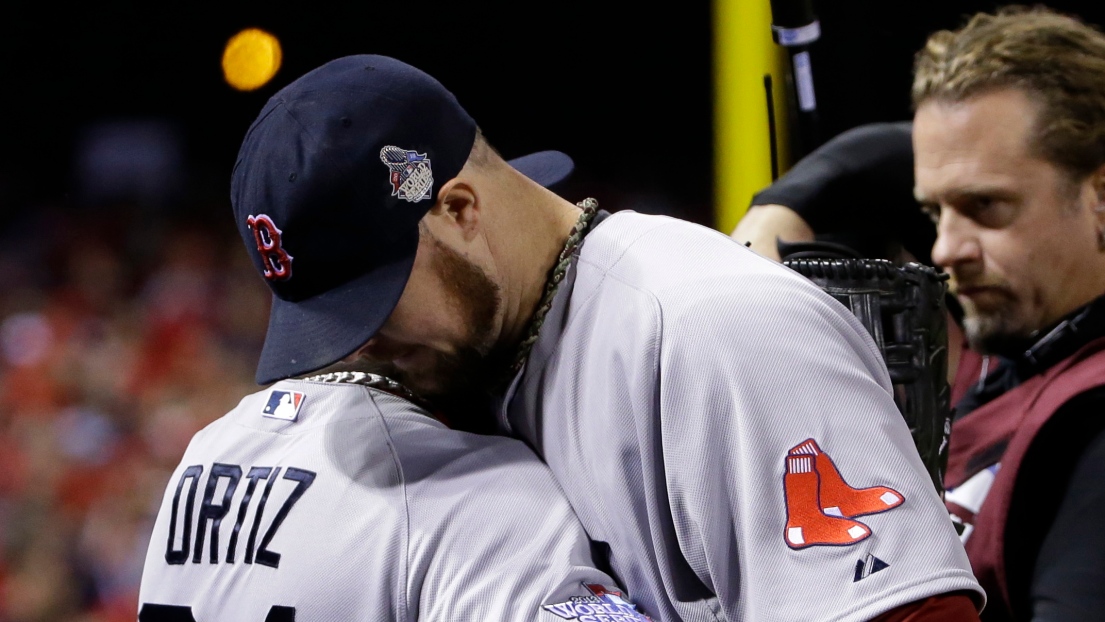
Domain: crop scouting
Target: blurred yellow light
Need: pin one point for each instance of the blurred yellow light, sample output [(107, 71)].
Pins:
[(251, 58)]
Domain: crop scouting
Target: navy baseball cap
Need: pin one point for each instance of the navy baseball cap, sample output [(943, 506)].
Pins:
[(330, 183)]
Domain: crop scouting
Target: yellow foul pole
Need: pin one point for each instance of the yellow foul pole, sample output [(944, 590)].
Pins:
[(743, 54)]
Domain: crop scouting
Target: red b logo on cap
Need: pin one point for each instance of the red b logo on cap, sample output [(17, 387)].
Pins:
[(277, 262)]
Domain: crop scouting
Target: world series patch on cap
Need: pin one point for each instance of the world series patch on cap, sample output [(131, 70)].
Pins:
[(329, 186)]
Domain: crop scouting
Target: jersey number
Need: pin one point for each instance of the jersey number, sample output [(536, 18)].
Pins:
[(176, 613)]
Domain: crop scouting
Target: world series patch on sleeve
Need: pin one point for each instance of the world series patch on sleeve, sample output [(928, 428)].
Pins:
[(604, 605)]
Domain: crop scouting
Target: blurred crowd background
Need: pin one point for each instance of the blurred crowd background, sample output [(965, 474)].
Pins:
[(119, 340), (129, 317)]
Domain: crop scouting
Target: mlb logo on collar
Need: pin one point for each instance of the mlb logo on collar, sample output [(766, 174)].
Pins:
[(283, 405)]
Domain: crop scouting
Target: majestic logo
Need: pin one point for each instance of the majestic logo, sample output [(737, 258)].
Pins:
[(605, 604), (275, 261), (821, 505), (283, 405), (411, 176), (868, 566)]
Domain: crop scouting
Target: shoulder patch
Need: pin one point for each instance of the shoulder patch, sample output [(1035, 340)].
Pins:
[(603, 603), (821, 505), (283, 405)]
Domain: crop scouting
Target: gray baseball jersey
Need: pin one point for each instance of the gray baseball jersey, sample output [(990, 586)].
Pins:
[(729, 431), (319, 502)]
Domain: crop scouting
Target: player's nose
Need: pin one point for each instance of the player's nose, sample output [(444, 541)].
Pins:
[(956, 241)]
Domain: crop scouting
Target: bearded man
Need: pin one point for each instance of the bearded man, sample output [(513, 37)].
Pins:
[(1008, 157)]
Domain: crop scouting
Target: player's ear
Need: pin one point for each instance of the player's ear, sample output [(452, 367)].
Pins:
[(1097, 182), (458, 206)]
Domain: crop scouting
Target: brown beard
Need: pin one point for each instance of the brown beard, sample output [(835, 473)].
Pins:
[(459, 384), (990, 334)]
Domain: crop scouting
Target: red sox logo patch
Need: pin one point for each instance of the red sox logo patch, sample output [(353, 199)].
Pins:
[(275, 261), (821, 505)]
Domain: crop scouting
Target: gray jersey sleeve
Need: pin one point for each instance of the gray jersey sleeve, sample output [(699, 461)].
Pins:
[(793, 481)]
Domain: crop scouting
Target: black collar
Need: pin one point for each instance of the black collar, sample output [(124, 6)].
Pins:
[(1043, 350), (1062, 339)]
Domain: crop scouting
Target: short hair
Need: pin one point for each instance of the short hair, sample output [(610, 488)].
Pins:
[(482, 153), (1055, 59)]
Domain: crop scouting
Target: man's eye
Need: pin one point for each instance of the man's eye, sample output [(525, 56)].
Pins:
[(993, 212), (981, 204)]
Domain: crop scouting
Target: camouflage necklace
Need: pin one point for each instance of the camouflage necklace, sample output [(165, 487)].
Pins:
[(556, 275)]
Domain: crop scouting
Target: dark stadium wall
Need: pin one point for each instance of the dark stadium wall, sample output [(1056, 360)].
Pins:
[(624, 88)]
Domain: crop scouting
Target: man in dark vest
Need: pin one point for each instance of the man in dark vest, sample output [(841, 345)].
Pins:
[(1008, 160)]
